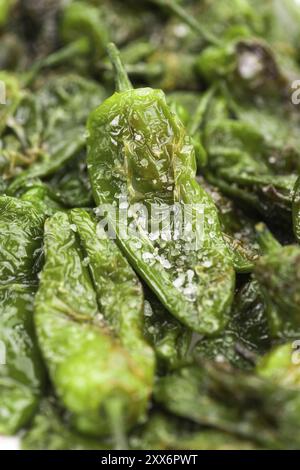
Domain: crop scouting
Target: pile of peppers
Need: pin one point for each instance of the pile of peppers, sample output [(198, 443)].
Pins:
[(150, 340)]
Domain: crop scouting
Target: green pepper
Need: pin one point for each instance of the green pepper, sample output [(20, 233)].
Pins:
[(41, 135), (238, 230), (165, 432), (169, 338), (247, 336), (109, 391), (51, 430), (244, 66), (82, 25), (245, 405), (72, 184), (235, 151), (277, 273), (183, 104), (138, 150), (5, 8), (22, 374), (118, 290), (43, 198), (280, 366), (193, 118)]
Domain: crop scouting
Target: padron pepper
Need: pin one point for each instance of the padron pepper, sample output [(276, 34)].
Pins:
[(103, 380), (47, 139), (51, 430), (247, 405), (238, 164), (169, 338), (21, 370), (247, 336), (5, 8), (166, 432), (118, 290), (238, 230), (278, 273), (139, 151)]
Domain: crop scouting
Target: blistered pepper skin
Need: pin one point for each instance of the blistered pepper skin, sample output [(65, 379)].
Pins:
[(21, 374), (139, 150), (277, 273), (119, 293), (73, 337)]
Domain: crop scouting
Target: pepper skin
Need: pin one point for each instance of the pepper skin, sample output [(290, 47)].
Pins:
[(278, 273), (138, 149), (22, 375), (118, 290), (107, 392)]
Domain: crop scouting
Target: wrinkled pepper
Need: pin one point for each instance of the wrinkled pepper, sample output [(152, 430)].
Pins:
[(21, 370), (139, 150), (110, 390)]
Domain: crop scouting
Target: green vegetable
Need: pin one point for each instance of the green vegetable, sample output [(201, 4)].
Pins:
[(42, 136), (21, 371), (146, 157), (164, 433), (278, 272), (144, 304), (83, 23), (281, 366), (170, 339), (235, 165), (51, 430), (118, 291), (242, 404), (5, 8), (43, 198), (247, 336), (238, 230), (109, 391)]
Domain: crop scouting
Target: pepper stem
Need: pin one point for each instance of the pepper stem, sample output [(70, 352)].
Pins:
[(189, 20), (122, 81), (200, 112), (267, 242), (194, 127)]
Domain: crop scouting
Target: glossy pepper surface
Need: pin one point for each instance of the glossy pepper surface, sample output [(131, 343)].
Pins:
[(21, 370), (138, 150), (108, 387)]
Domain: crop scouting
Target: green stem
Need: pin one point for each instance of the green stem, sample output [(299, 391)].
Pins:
[(265, 239), (195, 125), (189, 20), (198, 117), (115, 415), (122, 81)]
